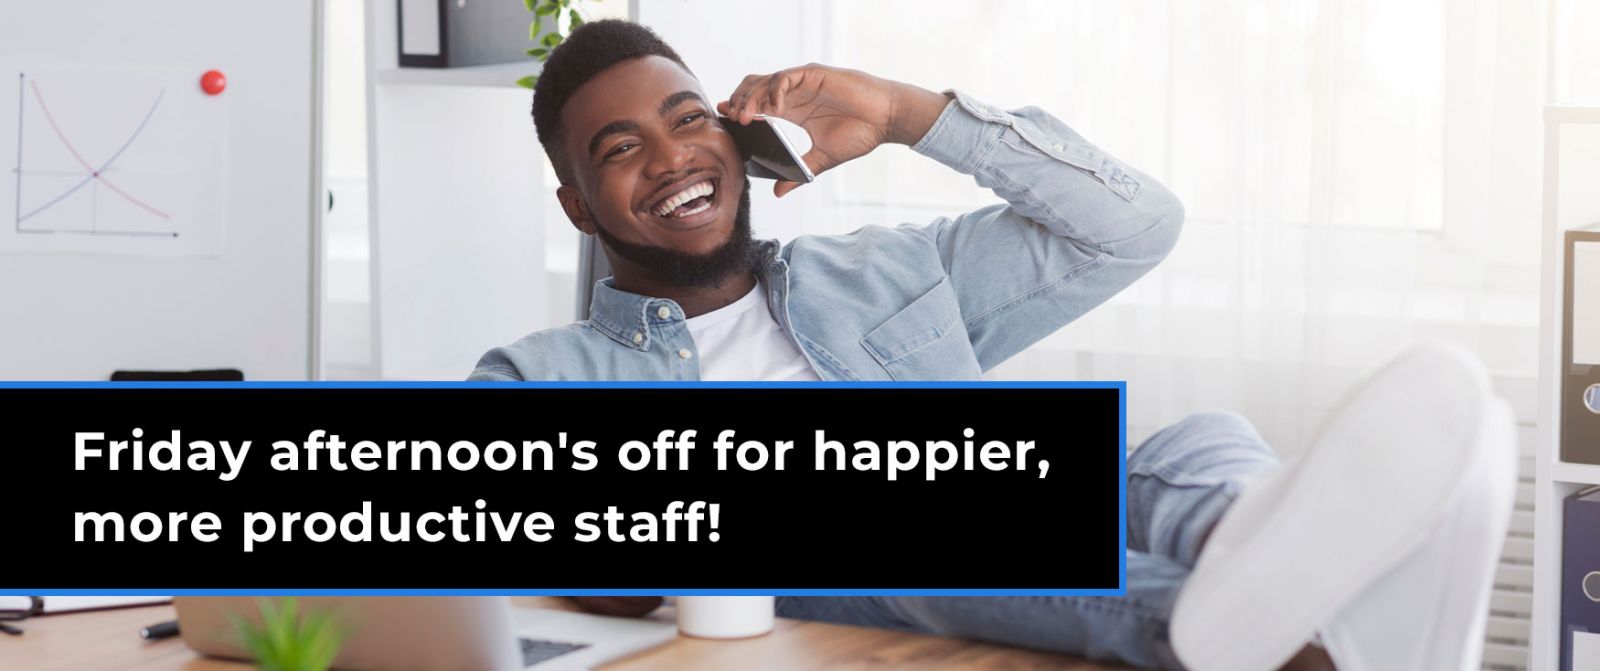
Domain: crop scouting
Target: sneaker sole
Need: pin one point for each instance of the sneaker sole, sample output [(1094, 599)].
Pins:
[(1432, 610), (1296, 547)]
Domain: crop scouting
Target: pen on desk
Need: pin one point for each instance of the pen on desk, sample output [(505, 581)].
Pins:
[(159, 631)]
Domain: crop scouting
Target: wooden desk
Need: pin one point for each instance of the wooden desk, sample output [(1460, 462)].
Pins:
[(109, 640)]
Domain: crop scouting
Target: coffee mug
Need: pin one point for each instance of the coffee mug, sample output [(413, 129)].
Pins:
[(725, 616)]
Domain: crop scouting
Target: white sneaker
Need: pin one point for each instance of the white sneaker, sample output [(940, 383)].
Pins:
[(1430, 612), (1294, 552)]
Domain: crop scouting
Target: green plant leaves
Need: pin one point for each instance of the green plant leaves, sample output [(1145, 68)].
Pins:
[(567, 20), (287, 640)]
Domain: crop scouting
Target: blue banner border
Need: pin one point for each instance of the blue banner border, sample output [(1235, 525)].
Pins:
[(1121, 386)]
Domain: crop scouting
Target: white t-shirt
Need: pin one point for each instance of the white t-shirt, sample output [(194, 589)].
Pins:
[(741, 341)]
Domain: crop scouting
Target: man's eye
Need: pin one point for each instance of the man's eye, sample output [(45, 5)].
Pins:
[(691, 118), (618, 149)]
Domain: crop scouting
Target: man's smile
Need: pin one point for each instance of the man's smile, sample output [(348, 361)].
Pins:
[(687, 204)]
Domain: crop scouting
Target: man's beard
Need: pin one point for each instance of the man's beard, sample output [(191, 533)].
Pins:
[(682, 269)]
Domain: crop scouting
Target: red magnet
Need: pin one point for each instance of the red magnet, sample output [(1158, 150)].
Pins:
[(213, 82)]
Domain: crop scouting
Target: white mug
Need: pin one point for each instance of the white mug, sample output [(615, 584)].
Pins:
[(725, 616)]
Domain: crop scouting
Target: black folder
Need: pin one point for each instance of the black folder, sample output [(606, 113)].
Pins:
[(449, 34), (1580, 350)]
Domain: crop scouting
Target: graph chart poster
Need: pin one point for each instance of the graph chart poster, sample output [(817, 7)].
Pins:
[(111, 160)]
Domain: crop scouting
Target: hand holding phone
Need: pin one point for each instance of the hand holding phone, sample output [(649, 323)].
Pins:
[(848, 113), (767, 152)]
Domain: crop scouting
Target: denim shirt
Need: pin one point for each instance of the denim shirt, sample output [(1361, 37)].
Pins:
[(945, 300)]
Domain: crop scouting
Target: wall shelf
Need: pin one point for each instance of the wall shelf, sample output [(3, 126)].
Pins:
[(1555, 478), (500, 75), (1574, 114), (1578, 474)]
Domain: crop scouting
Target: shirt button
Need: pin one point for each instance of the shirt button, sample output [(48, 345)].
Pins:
[(638, 338), (663, 312), (683, 353), (1058, 146)]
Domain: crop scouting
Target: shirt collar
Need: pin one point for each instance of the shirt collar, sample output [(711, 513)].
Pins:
[(626, 317)]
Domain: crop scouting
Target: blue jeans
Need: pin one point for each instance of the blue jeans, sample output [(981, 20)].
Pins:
[(1180, 481)]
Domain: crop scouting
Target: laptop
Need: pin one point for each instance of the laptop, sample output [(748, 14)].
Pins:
[(437, 632)]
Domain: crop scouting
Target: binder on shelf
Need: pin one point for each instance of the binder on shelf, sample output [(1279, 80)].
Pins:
[(1580, 350), (1580, 581), (459, 33)]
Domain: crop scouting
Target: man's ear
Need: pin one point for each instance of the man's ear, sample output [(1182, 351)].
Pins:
[(572, 204)]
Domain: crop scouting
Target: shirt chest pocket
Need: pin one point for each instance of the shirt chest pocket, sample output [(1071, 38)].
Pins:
[(926, 340)]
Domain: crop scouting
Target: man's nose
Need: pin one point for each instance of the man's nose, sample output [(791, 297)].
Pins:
[(668, 157)]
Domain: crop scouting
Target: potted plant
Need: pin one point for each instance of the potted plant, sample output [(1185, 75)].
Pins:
[(564, 16), (285, 639)]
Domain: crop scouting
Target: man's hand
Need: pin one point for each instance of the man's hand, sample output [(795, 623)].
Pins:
[(625, 606), (848, 113)]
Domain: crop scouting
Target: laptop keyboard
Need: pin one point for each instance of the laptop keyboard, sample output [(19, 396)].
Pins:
[(535, 651)]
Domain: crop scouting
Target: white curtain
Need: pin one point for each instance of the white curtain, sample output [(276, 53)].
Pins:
[(1358, 175)]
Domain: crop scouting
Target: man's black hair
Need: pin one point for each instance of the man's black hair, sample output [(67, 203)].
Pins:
[(588, 51)]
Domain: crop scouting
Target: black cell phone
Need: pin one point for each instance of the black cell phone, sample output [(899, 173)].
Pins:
[(767, 153)]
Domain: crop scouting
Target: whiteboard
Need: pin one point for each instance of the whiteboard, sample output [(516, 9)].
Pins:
[(112, 159), (149, 225)]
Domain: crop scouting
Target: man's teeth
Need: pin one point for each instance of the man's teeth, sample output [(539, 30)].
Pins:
[(674, 201), (696, 210)]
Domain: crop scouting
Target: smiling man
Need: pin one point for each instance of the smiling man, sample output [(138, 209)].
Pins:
[(645, 164)]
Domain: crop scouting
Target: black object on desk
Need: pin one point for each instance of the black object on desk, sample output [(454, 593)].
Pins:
[(159, 630), (209, 375), (35, 607)]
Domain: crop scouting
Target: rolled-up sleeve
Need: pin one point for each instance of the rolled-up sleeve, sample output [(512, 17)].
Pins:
[(1077, 225)]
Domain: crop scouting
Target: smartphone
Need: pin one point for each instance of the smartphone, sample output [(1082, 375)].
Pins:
[(767, 153)]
